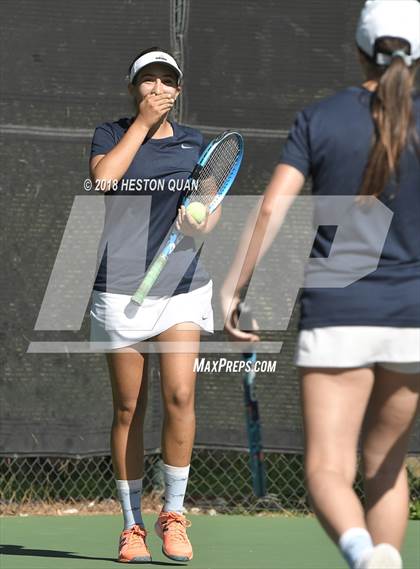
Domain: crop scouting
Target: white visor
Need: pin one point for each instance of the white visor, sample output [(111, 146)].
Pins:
[(389, 18), (154, 57)]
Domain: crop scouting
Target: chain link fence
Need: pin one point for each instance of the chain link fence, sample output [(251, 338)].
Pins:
[(220, 482)]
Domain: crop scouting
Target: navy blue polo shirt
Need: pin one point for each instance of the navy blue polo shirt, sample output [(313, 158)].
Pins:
[(331, 142), (135, 227)]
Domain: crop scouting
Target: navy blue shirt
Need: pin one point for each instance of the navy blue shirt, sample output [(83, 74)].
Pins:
[(134, 227), (331, 141)]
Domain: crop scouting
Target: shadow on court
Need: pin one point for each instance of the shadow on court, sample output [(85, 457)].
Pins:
[(20, 550), (220, 542)]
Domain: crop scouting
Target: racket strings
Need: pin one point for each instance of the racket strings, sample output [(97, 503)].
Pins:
[(216, 171)]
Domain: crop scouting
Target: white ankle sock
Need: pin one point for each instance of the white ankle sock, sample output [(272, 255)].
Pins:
[(176, 480), (355, 543), (129, 494)]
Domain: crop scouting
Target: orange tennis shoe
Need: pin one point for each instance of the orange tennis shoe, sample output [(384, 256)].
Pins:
[(171, 527), (133, 548)]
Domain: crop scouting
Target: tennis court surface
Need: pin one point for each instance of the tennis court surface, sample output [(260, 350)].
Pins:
[(220, 542)]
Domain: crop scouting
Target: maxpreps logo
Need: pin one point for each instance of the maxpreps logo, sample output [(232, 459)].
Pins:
[(238, 366)]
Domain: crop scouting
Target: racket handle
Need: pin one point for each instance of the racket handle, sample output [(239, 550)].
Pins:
[(149, 280), (245, 317)]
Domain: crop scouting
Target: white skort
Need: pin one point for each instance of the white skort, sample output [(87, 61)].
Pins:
[(396, 349), (120, 323)]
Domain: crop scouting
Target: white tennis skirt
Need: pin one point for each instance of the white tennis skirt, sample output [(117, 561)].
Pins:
[(397, 349), (119, 322)]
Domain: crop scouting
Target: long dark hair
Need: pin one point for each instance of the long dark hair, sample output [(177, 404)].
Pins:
[(392, 113)]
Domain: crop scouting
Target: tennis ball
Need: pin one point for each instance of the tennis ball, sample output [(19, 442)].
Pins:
[(197, 210)]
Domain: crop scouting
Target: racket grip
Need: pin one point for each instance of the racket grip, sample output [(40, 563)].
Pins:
[(149, 280), (245, 317)]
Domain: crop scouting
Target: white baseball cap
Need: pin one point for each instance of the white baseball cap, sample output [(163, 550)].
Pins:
[(398, 19), (154, 57)]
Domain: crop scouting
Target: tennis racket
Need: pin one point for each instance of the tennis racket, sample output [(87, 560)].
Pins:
[(253, 423), (213, 175)]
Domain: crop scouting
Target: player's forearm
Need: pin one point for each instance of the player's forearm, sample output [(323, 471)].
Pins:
[(247, 252), (263, 225), (261, 229), (115, 164)]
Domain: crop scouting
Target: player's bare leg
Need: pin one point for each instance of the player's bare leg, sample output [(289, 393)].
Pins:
[(391, 414), (178, 392), (128, 370), (334, 403)]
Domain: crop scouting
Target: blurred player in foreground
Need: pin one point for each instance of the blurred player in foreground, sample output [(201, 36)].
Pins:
[(359, 346)]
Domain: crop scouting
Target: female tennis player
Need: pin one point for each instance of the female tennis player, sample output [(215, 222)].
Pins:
[(143, 164), (359, 347)]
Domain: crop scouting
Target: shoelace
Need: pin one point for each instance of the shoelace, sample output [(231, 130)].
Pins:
[(136, 533), (177, 525)]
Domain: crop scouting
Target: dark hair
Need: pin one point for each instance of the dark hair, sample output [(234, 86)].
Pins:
[(148, 50), (392, 113)]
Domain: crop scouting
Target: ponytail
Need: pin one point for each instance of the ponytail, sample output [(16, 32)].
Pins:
[(392, 113)]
